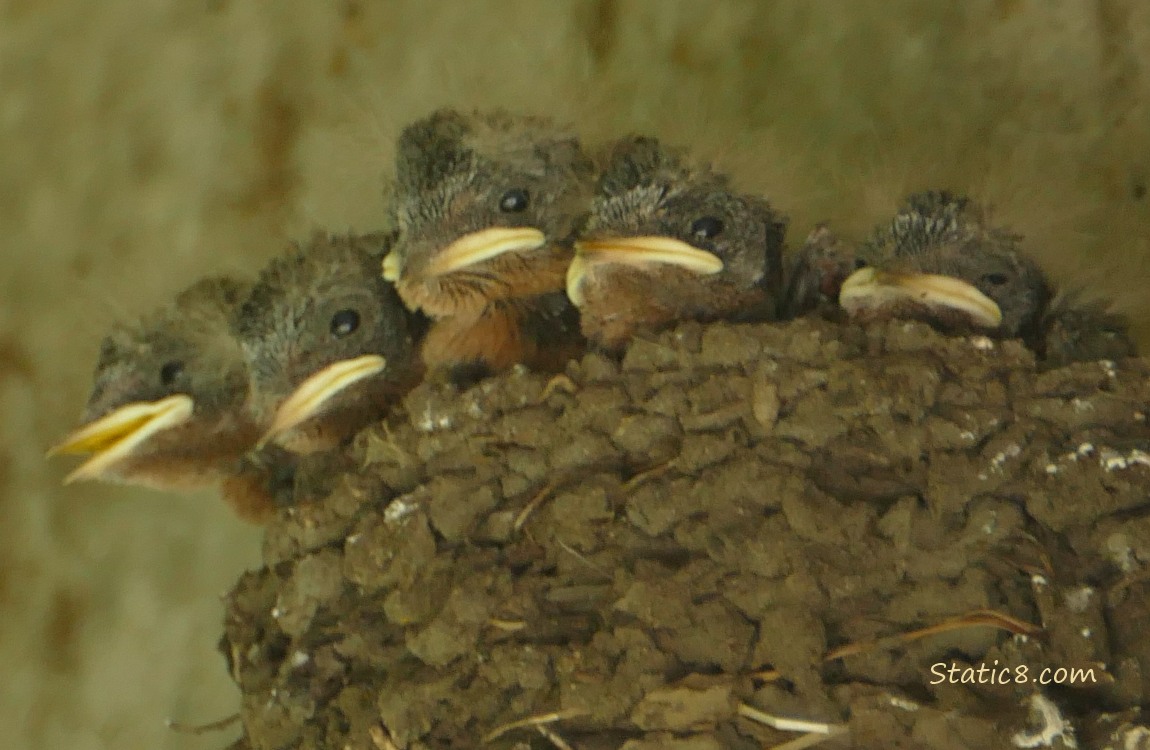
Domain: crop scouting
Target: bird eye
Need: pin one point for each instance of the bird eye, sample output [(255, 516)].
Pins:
[(170, 371), (860, 263), (707, 227), (513, 201), (344, 323), (995, 279)]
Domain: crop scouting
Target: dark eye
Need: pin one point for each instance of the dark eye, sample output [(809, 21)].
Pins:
[(860, 263), (513, 201), (344, 323), (170, 371), (995, 279), (707, 227)]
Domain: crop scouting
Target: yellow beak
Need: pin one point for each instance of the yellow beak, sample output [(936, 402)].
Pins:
[(576, 272), (868, 288), (480, 246), (639, 252), (317, 390), (113, 436), (391, 267)]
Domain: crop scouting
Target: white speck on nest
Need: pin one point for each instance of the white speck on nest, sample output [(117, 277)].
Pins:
[(982, 343), (1112, 460), (1051, 469), (1050, 725), (1083, 450), (999, 459), (429, 422), (1119, 551), (1108, 367), (277, 613), (474, 410), (1038, 580), (299, 658), (904, 703), (397, 510), (354, 538), (1079, 599), (967, 435), (1080, 405), (1086, 632), (1139, 416)]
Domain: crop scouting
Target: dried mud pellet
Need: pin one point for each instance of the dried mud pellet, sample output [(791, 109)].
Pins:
[(457, 505), (316, 580), (383, 552), (726, 345), (584, 451), (638, 434), (681, 709), (455, 631), (645, 355), (765, 400)]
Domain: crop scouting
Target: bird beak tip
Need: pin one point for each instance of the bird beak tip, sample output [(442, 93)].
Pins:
[(390, 269)]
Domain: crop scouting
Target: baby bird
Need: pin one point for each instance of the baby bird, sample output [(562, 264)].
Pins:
[(485, 204), (167, 408), (329, 345), (666, 241), (939, 261), (815, 274), (1084, 331)]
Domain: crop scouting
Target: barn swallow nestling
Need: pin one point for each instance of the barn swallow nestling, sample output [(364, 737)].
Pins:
[(485, 204), (167, 408), (1079, 331), (941, 262), (667, 240), (815, 274), (329, 345)]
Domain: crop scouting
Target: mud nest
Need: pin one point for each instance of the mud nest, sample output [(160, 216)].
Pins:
[(732, 525)]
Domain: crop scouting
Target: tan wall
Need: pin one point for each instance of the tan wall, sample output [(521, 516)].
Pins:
[(145, 142)]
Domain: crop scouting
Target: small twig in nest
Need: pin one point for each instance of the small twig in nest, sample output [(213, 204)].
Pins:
[(558, 383), (511, 626), (655, 471), (766, 675), (1029, 556), (381, 738), (554, 738), (785, 724), (533, 721), (533, 504), (977, 618), (211, 726), (809, 740), (582, 558)]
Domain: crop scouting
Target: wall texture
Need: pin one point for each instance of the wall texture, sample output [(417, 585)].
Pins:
[(150, 141)]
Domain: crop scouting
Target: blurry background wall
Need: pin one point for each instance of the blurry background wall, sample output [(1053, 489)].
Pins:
[(146, 142)]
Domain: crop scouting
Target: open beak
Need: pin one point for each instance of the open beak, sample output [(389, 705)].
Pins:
[(113, 436), (391, 267), (575, 274), (869, 288), (639, 252), (317, 390), (480, 246)]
